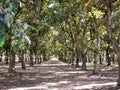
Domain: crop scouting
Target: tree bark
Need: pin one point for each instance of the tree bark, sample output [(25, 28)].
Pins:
[(77, 62), (1, 54), (31, 57), (25, 56), (12, 63), (100, 60), (96, 55), (21, 57), (96, 65), (115, 44), (118, 81), (6, 57), (108, 56), (72, 59), (44, 55), (36, 59), (31, 60), (113, 58), (84, 60)]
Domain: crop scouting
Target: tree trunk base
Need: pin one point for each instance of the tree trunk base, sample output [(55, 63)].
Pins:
[(108, 64), (72, 64), (77, 66), (84, 68), (95, 72), (11, 71)]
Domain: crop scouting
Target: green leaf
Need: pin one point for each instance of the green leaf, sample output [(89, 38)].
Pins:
[(2, 41), (21, 41), (3, 29), (16, 48), (27, 46), (7, 36), (13, 43)]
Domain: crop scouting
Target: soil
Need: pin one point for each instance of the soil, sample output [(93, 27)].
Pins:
[(57, 75)]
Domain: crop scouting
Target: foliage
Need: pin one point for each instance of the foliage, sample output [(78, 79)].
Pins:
[(10, 26)]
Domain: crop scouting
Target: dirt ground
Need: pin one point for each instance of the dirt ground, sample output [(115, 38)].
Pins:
[(56, 75)]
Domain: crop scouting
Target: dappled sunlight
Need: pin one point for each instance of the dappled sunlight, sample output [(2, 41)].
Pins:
[(63, 82), (66, 84), (3, 68), (44, 86), (70, 72), (27, 88), (54, 77), (89, 86), (108, 68), (47, 77), (53, 65), (50, 84), (53, 62)]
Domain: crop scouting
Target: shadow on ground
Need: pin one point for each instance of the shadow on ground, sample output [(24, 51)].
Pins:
[(56, 75)]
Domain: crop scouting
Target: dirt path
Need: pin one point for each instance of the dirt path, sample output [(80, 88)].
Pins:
[(56, 75)]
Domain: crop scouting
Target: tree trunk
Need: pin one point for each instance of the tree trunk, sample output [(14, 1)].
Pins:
[(77, 62), (6, 57), (115, 44), (12, 63), (44, 56), (31, 57), (100, 60), (1, 54), (72, 59), (36, 58), (118, 81), (88, 58), (84, 60), (113, 58), (96, 66), (96, 56), (21, 57), (108, 56), (31, 60), (61, 56), (64, 56), (25, 56), (40, 59)]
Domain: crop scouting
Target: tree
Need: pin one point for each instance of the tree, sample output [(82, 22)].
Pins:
[(10, 32), (110, 33)]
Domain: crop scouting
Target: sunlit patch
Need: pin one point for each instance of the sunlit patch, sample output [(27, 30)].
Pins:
[(89, 86), (43, 86), (51, 71), (51, 84), (28, 88), (32, 78), (54, 89), (63, 82), (51, 5), (70, 72)]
